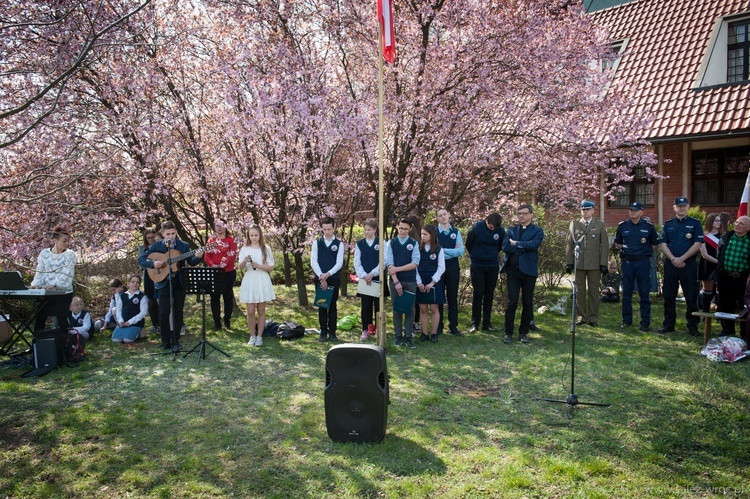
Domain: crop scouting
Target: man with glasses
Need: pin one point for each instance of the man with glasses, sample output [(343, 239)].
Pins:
[(591, 236), (521, 247), (484, 243), (680, 242), (636, 238), (734, 268)]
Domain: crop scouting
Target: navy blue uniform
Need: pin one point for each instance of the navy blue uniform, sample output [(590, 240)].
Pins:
[(680, 236), (637, 242), (484, 246)]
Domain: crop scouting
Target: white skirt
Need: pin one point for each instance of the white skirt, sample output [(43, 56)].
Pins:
[(256, 287)]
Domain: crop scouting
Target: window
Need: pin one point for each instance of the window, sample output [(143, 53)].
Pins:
[(726, 56), (738, 44), (640, 189), (719, 175), (618, 48)]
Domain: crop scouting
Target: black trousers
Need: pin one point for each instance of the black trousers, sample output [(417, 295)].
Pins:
[(177, 310), (328, 317), (370, 305), (228, 294), (687, 277), (522, 284), (484, 282), (450, 280), (153, 302), (56, 306), (731, 297)]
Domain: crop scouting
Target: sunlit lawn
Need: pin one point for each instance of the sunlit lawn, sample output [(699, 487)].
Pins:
[(463, 420)]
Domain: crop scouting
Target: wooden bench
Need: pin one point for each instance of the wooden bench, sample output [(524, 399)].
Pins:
[(707, 327)]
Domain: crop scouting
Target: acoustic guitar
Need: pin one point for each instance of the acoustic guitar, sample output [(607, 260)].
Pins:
[(158, 275)]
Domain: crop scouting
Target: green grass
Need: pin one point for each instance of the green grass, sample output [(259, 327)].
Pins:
[(463, 419)]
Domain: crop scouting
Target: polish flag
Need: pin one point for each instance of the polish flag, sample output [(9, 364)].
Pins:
[(711, 240), (742, 211), (385, 16)]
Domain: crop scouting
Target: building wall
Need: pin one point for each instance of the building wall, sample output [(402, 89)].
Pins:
[(675, 163)]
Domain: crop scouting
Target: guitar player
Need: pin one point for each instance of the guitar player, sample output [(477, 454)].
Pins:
[(155, 258)]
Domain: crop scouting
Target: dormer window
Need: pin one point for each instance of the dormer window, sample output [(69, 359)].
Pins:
[(725, 60), (738, 49)]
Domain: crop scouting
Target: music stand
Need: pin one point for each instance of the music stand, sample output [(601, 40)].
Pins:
[(202, 281)]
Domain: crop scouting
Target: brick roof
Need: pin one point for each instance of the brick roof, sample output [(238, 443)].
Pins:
[(667, 42)]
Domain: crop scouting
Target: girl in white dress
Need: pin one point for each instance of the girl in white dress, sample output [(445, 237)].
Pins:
[(256, 289)]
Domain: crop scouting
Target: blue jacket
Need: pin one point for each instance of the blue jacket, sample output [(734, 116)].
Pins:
[(160, 247), (527, 248)]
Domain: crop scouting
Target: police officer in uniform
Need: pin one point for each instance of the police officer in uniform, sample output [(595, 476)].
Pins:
[(680, 242), (636, 238), (593, 243)]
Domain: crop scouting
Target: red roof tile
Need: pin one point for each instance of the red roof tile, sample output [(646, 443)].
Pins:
[(667, 43)]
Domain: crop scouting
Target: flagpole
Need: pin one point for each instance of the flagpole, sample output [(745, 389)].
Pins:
[(380, 319)]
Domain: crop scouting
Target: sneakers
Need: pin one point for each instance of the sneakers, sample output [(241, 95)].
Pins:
[(488, 327), (258, 340), (153, 330), (423, 337), (433, 338), (409, 343), (227, 323), (456, 332), (524, 339), (252, 341), (625, 325), (508, 339), (398, 341), (417, 328), (183, 330), (365, 336)]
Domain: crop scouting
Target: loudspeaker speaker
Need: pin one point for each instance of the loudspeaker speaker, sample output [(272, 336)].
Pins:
[(48, 346), (356, 393)]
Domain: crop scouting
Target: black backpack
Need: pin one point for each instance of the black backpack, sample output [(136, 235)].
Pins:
[(289, 330), (75, 348)]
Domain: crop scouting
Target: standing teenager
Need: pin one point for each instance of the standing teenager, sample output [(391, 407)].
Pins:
[(256, 258), (450, 240), (326, 260), (366, 266), (429, 272)]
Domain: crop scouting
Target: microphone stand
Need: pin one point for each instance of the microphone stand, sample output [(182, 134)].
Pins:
[(572, 399)]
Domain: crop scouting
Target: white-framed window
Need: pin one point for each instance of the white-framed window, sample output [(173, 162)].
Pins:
[(725, 60)]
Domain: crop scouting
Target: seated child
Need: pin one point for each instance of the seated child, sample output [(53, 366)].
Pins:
[(79, 320), (109, 321), (611, 284), (131, 311)]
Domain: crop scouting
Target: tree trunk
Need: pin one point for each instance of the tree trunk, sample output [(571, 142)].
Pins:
[(301, 280), (287, 270)]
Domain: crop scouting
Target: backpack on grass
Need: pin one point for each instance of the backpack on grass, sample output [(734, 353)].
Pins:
[(290, 330), (75, 348)]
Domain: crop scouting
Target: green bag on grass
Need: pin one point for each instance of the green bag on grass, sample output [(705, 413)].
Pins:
[(347, 323)]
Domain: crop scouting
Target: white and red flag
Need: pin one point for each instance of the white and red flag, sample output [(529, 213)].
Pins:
[(742, 211), (711, 240), (385, 17)]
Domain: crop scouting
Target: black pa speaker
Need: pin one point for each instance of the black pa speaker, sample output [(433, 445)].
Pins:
[(356, 393), (49, 351)]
